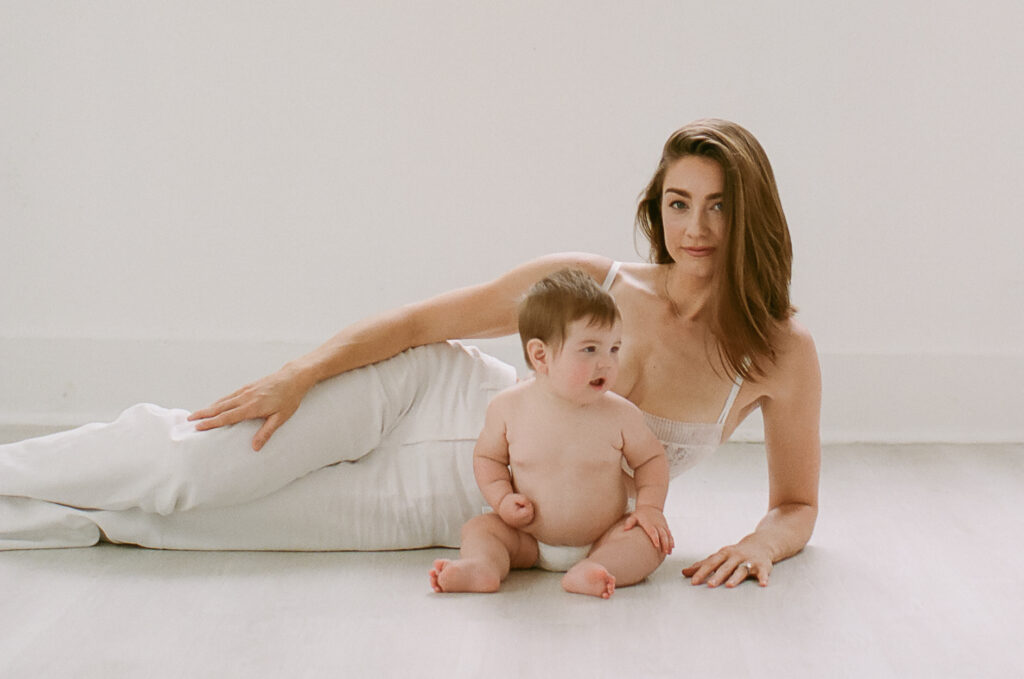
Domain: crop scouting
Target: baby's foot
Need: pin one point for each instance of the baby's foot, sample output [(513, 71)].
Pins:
[(463, 575), (589, 577)]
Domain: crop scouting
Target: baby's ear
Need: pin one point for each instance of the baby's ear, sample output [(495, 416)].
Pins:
[(538, 353)]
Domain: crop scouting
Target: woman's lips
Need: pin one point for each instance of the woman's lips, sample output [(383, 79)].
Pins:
[(699, 252)]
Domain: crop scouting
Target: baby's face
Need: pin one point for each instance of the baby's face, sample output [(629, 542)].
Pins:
[(587, 365)]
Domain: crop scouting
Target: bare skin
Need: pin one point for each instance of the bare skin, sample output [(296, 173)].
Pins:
[(563, 434), (667, 367)]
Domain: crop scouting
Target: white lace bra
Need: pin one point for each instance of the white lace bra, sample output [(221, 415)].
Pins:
[(686, 443)]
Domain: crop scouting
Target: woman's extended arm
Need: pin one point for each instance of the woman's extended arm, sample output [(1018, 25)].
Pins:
[(486, 310), (793, 444)]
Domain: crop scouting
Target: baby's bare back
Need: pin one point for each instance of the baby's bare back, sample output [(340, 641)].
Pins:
[(568, 462)]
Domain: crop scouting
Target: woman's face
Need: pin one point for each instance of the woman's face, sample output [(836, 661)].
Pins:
[(692, 212)]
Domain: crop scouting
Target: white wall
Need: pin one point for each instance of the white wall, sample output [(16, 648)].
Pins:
[(191, 192)]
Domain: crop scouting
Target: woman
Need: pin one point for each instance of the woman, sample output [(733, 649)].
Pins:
[(379, 454)]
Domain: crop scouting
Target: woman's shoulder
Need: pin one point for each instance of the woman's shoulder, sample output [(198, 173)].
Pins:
[(635, 274), (636, 277), (793, 334), (639, 272), (597, 266), (795, 339), (796, 357)]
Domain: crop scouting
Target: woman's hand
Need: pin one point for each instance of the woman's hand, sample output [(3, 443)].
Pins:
[(652, 521), (516, 510), (731, 565), (275, 398)]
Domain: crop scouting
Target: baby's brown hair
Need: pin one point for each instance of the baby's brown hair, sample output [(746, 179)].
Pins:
[(555, 301)]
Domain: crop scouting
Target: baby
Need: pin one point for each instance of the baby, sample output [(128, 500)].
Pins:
[(564, 434)]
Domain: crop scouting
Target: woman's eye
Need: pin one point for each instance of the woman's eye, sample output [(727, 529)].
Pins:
[(718, 207), (677, 205)]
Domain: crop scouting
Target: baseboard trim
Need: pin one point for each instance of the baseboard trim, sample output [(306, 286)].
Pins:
[(868, 398)]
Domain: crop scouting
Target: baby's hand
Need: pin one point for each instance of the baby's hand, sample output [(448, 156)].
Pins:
[(516, 510), (653, 522)]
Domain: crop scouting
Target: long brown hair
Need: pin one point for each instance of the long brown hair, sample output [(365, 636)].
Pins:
[(751, 296)]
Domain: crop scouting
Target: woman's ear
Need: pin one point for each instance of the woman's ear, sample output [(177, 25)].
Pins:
[(538, 353)]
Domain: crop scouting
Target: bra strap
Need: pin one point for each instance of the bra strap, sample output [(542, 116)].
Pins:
[(610, 278), (732, 398)]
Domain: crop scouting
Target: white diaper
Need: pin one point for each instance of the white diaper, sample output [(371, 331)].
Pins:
[(560, 558)]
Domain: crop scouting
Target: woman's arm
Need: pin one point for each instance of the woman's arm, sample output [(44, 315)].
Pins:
[(791, 427), (486, 310)]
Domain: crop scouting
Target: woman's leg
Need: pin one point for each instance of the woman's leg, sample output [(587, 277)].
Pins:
[(396, 497), (153, 459), (34, 524), (415, 490)]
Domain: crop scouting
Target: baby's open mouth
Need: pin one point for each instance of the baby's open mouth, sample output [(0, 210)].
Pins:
[(599, 382)]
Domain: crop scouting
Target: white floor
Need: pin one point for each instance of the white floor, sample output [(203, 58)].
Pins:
[(915, 570)]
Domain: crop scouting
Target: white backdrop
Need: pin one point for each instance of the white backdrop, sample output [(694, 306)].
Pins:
[(193, 192)]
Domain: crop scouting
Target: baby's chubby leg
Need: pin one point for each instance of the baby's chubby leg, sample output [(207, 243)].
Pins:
[(490, 547), (628, 555)]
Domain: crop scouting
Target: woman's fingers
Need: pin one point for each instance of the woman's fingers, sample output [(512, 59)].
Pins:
[(218, 406), (273, 398), (739, 574), (731, 574), (690, 570), (750, 569), (267, 430), (208, 411), (726, 571), (224, 419), (731, 569), (699, 571), (214, 410)]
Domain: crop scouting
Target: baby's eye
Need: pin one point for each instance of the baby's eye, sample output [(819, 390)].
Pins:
[(589, 350), (615, 350)]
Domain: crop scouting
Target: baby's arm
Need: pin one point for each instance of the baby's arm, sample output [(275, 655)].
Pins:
[(490, 467), (646, 456)]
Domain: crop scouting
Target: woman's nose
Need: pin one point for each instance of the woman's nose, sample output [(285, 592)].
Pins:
[(698, 224)]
